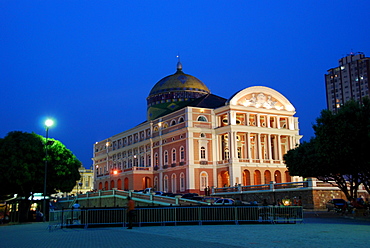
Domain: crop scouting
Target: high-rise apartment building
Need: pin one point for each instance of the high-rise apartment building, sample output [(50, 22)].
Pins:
[(350, 80)]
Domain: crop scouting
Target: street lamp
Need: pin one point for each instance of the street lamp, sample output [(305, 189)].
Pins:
[(48, 123)]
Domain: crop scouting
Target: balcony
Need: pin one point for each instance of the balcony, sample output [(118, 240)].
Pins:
[(182, 163), (165, 166), (156, 167), (173, 165)]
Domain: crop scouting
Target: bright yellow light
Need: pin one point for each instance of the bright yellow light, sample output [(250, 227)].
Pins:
[(115, 172), (49, 122)]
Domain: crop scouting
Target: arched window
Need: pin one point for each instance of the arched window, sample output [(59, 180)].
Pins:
[(277, 176), (126, 184), (257, 177), (173, 122), (203, 180), (119, 184), (173, 183), (165, 157), (226, 153), (202, 118), (288, 178), (267, 177), (156, 184), (165, 183), (202, 135), (246, 178), (181, 119), (156, 159), (182, 153), (141, 161), (173, 155), (149, 164), (182, 182), (202, 152)]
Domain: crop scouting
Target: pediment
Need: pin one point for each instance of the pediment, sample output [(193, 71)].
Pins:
[(261, 97)]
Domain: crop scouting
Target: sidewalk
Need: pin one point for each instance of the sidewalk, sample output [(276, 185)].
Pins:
[(330, 233)]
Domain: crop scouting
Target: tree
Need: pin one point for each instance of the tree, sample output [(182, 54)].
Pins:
[(338, 152), (22, 165)]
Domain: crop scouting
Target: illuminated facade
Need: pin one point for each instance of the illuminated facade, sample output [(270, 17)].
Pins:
[(350, 80), (193, 139), (86, 182)]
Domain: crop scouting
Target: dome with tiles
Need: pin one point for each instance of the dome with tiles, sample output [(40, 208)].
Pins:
[(174, 92), (179, 82)]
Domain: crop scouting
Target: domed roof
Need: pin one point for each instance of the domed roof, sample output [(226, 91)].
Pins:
[(174, 92), (179, 82)]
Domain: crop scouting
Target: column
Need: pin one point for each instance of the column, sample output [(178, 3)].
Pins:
[(232, 117), (269, 148), (234, 146), (248, 146), (259, 147), (274, 138), (279, 147)]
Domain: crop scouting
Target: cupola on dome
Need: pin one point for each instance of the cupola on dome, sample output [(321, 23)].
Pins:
[(174, 92)]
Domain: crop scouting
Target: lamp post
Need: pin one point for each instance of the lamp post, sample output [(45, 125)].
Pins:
[(48, 123)]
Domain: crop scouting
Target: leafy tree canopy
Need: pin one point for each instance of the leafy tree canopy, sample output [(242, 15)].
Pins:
[(22, 165), (339, 151)]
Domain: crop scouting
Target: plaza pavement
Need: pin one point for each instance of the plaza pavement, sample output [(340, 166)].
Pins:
[(320, 229)]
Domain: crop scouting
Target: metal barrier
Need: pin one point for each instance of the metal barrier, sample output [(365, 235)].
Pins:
[(176, 215)]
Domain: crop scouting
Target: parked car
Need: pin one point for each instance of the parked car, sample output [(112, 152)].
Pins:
[(336, 205), (210, 199), (158, 193), (167, 194), (198, 198), (148, 191), (173, 195), (190, 195), (224, 201)]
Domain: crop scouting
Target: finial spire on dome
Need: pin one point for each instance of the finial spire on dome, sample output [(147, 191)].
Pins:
[(179, 65)]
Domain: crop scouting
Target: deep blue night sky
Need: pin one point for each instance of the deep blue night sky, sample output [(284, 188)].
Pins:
[(91, 64)]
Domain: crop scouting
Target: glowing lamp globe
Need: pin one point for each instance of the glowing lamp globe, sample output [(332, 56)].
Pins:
[(49, 122)]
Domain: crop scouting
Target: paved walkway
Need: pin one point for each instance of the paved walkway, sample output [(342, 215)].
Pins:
[(320, 229)]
